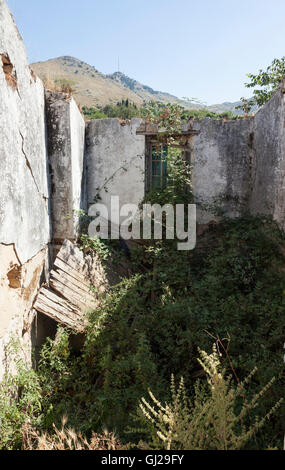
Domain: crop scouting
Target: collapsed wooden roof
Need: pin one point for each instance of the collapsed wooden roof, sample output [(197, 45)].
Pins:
[(75, 284)]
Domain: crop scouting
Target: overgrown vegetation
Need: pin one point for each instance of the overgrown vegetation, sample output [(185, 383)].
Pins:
[(229, 290), (211, 421), (126, 110), (20, 399), (122, 110), (231, 287), (67, 439)]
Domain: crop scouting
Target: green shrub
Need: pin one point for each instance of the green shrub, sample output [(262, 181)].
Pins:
[(214, 420), (231, 288), (20, 400)]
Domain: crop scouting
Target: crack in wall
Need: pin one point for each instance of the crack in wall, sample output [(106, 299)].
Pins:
[(17, 271), (21, 283), (15, 251), (45, 199)]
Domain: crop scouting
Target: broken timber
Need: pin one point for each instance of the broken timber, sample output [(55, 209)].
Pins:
[(69, 297), (152, 130)]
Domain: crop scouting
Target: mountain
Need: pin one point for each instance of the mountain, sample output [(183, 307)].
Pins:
[(92, 88), (146, 93), (227, 106)]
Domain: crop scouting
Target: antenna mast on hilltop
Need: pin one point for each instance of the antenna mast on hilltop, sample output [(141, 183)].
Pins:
[(118, 64)]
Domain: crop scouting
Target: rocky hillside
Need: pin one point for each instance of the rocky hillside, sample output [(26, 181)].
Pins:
[(146, 93), (92, 88)]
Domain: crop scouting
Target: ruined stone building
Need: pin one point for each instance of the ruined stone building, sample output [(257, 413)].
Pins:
[(52, 164)]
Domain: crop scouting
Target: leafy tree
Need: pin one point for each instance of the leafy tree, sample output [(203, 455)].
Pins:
[(126, 110), (155, 110), (93, 113), (268, 80), (122, 110)]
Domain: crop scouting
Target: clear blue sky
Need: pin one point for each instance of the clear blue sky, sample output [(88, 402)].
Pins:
[(193, 48)]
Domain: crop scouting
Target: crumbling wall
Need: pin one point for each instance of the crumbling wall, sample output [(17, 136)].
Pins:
[(221, 160), (24, 218), (66, 134), (115, 159), (24, 194), (239, 166), (268, 168), (19, 284)]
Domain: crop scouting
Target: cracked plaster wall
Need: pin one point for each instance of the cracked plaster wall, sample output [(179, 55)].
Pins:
[(24, 190), (115, 159), (239, 166), (24, 218), (66, 141)]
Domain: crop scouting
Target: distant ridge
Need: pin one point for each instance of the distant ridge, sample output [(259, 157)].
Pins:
[(92, 88)]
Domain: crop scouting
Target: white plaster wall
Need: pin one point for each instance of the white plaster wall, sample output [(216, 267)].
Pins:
[(240, 165), (66, 141), (115, 159), (77, 125), (268, 179), (24, 219), (16, 300), (221, 160), (24, 191)]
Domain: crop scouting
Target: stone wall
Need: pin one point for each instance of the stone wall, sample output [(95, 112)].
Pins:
[(41, 169), (115, 161), (66, 140), (24, 218), (239, 166), (24, 192), (221, 160), (268, 169), (19, 284)]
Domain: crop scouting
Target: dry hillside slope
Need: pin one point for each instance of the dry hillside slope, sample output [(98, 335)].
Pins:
[(92, 88)]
